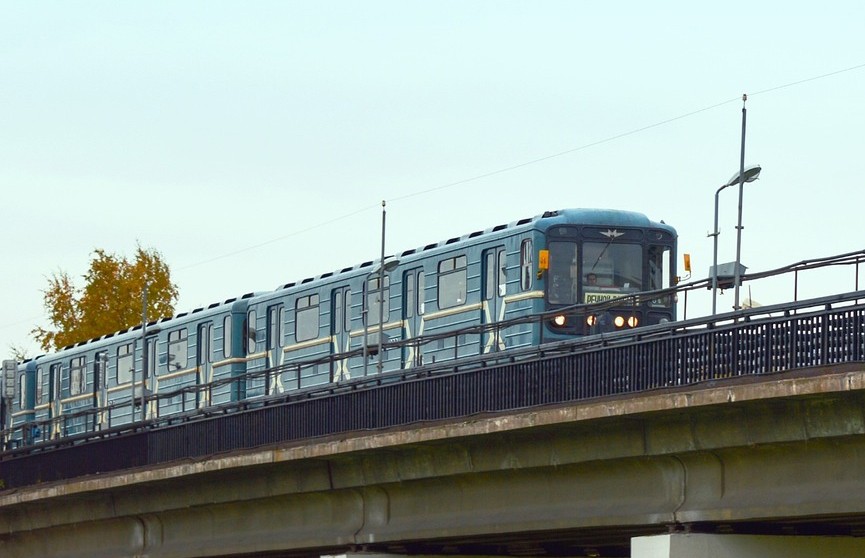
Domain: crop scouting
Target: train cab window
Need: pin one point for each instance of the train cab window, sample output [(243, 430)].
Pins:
[(452, 282), (226, 337), (564, 273), (660, 274), (249, 340), (125, 364), (616, 266), (77, 375), (371, 299), (307, 318), (177, 350), (526, 265)]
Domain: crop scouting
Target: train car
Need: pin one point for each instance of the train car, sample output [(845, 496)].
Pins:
[(604, 256), (196, 357), (558, 261), (21, 412)]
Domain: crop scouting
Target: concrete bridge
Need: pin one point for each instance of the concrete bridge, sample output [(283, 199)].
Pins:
[(751, 466)]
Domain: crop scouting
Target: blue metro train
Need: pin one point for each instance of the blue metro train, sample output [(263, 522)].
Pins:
[(250, 346)]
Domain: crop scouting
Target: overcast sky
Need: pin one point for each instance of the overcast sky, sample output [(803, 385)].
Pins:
[(251, 143)]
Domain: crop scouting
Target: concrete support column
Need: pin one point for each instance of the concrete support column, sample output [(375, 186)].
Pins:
[(745, 546)]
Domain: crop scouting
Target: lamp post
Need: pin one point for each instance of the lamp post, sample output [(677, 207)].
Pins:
[(747, 175), (378, 272), (737, 274)]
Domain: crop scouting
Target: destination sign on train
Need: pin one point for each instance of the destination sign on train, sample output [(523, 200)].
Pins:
[(591, 298)]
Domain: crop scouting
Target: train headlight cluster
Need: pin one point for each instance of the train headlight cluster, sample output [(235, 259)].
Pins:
[(618, 321)]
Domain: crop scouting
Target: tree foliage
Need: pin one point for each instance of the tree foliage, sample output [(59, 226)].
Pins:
[(110, 300)]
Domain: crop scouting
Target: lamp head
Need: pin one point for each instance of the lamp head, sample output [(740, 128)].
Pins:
[(750, 174)]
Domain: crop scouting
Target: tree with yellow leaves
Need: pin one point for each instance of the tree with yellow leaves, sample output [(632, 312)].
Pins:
[(111, 299)]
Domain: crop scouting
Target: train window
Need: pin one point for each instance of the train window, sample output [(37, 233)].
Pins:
[(489, 274), (495, 273), (275, 315), (54, 375), (526, 264), (151, 357), (22, 391), (408, 302), (39, 390), (615, 266), (205, 342), (307, 318), (226, 337), (420, 293), (372, 299), (249, 339), (100, 369), (503, 272), (658, 264), (563, 278), (125, 364), (347, 310), (452, 282), (77, 375), (177, 350), (337, 313)]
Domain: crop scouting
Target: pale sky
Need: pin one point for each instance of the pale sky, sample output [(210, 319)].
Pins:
[(251, 143)]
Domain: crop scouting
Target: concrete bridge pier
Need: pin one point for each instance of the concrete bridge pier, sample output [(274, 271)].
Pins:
[(687, 545)]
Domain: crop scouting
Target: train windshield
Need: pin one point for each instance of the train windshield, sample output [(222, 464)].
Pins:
[(600, 271)]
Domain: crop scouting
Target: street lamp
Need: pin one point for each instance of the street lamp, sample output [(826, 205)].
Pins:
[(749, 174), (737, 270), (383, 266)]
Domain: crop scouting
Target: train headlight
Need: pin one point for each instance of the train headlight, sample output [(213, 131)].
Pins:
[(560, 320), (633, 321), (591, 320), (619, 321)]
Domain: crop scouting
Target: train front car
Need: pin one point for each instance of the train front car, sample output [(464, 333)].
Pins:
[(595, 263)]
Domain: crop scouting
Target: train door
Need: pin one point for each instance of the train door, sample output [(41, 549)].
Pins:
[(275, 343), (340, 330), (494, 287), (100, 390), (54, 400), (204, 363), (412, 316), (149, 377)]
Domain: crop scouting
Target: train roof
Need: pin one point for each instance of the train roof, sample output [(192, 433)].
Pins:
[(213, 308), (581, 216)]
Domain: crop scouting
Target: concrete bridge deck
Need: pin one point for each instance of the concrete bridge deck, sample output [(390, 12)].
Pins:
[(781, 455)]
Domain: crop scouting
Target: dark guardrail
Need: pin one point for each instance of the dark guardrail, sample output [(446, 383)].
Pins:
[(760, 341)]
